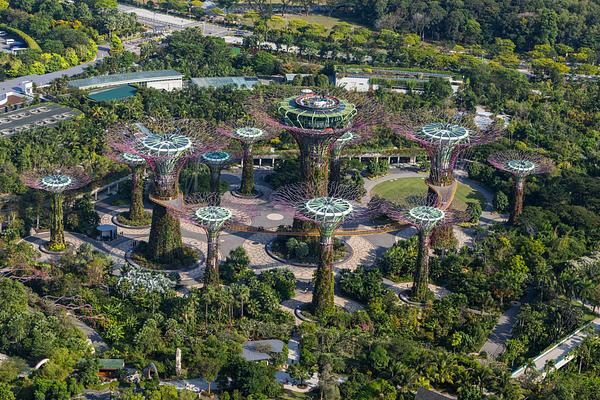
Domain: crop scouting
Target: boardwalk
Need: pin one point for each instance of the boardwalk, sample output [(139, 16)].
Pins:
[(561, 353)]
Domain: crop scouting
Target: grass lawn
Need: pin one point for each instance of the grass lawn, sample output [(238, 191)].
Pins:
[(326, 21), (289, 395), (399, 189)]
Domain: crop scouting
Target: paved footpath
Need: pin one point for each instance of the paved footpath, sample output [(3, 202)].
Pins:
[(495, 345), (561, 353)]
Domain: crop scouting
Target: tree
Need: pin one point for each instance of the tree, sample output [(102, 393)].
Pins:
[(5, 392), (236, 266), (328, 384), (379, 358), (501, 201), (298, 372), (474, 211)]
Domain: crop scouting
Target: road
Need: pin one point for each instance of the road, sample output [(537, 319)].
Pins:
[(44, 80)]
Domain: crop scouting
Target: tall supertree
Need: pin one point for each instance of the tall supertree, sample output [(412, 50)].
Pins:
[(248, 136), (316, 121), (56, 182), (445, 137), (215, 161), (328, 213), (424, 213), (197, 210), (520, 164), (166, 145), (137, 166)]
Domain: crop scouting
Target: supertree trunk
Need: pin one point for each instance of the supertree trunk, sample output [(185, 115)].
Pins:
[(314, 169), (215, 178), (440, 175), (136, 208), (164, 244), (420, 287), (211, 272), (335, 174), (247, 185), (314, 163), (322, 300), (518, 200), (57, 228)]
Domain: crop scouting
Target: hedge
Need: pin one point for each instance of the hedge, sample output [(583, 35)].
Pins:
[(31, 43)]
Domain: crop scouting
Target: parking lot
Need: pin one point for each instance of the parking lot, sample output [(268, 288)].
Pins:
[(41, 115)]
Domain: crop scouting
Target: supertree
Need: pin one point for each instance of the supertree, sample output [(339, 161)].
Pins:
[(197, 210), (328, 213), (215, 161), (247, 136), (424, 213), (137, 164), (166, 145), (56, 182), (520, 164), (316, 121), (445, 137)]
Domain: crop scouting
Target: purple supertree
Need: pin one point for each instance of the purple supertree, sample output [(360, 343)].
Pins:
[(137, 165), (199, 209), (316, 121), (520, 164), (248, 133), (166, 145), (445, 137), (424, 213), (56, 182), (328, 213)]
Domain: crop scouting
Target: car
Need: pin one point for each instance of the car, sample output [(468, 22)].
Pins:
[(2, 33)]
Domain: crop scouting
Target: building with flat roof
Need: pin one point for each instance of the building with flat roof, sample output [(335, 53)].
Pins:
[(239, 82), (162, 79)]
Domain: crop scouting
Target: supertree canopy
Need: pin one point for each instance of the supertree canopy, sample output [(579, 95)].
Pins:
[(216, 161), (328, 213), (424, 213), (56, 182), (316, 121), (444, 137), (166, 145), (520, 164), (247, 135), (137, 165)]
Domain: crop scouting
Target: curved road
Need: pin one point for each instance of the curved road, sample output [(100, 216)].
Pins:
[(44, 80)]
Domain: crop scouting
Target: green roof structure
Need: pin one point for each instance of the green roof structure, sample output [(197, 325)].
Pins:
[(124, 79), (111, 364), (314, 111)]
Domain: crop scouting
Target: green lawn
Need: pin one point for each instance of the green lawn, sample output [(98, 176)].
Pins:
[(399, 189), (289, 395)]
